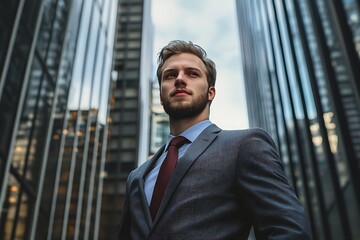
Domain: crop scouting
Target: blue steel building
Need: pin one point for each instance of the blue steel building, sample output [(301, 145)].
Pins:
[(301, 61)]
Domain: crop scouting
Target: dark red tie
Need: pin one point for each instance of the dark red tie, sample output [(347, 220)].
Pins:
[(165, 173)]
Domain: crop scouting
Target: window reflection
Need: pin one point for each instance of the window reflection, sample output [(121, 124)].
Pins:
[(353, 19), (314, 99), (42, 133)]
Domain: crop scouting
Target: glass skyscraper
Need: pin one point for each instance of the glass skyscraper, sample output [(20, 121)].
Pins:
[(55, 75), (129, 119), (302, 74)]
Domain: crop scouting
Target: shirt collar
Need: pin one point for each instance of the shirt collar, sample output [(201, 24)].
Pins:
[(192, 132)]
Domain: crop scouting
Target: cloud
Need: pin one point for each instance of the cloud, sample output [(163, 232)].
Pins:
[(211, 24)]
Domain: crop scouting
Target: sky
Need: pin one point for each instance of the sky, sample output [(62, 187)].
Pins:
[(211, 24)]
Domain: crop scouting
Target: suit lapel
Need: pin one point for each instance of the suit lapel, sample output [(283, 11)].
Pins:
[(143, 174), (200, 144)]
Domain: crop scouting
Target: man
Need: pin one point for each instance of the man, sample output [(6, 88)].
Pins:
[(224, 182)]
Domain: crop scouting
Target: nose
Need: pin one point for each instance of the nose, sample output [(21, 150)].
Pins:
[(180, 80)]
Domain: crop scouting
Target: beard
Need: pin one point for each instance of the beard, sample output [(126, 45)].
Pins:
[(180, 110)]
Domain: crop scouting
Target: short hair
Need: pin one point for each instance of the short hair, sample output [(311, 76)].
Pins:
[(179, 46)]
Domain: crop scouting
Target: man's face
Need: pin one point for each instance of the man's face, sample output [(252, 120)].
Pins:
[(184, 90)]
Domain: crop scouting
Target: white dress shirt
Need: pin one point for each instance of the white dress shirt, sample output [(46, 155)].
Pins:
[(191, 134)]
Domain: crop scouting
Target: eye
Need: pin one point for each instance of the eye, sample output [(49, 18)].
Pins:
[(193, 74), (170, 75)]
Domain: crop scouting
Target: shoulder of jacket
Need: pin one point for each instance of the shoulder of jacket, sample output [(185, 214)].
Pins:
[(247, 131)]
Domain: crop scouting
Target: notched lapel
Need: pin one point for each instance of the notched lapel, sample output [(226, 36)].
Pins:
[(147, 169), (201, 143)]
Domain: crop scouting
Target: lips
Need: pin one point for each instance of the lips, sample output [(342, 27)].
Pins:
[(180, 92)]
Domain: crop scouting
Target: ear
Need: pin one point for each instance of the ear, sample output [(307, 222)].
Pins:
[(211, 93)]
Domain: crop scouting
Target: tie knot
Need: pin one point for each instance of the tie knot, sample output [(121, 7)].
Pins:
[(178, 141)]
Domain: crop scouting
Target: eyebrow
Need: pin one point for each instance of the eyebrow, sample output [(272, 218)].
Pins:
[(186, 68)]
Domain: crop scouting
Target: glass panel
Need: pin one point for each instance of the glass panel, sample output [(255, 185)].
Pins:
[(312, 89), (93, 35), (351, 112), (8, 10), (28, 156), (32, 85), (332, 135), (99, 68), (66, 159), (30, 15), (353, 19), (78, 170), (71, 131), (105, 12), (284, 97), (54, 159), (79, 64), (104, 94), (11, 93), (311, 114)]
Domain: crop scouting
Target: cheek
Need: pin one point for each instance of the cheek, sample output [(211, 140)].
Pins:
[(164, 87)]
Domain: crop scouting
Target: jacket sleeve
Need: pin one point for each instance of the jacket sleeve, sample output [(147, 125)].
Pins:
[(272, 205)]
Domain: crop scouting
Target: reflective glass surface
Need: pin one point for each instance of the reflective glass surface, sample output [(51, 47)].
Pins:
[(311, 105), (51, 139)]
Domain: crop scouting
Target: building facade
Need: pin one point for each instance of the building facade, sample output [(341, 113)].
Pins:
[(55, 75), (302, 69), (160, 125), (130, 108)]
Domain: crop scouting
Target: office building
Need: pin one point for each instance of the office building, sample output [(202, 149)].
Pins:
[(302, 70), (55, 74), (130, 109), (160, 126)]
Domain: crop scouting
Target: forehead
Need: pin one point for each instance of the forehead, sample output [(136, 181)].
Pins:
[(184, 60)]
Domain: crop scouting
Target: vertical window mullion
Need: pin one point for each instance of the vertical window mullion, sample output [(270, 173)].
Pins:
[(10, 47), (300, 147), (311, 72), (325, 141)]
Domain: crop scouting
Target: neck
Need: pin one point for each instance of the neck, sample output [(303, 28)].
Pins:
[(177, 126)]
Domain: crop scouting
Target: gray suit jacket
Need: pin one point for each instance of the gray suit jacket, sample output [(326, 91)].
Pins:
[(226, 182)]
